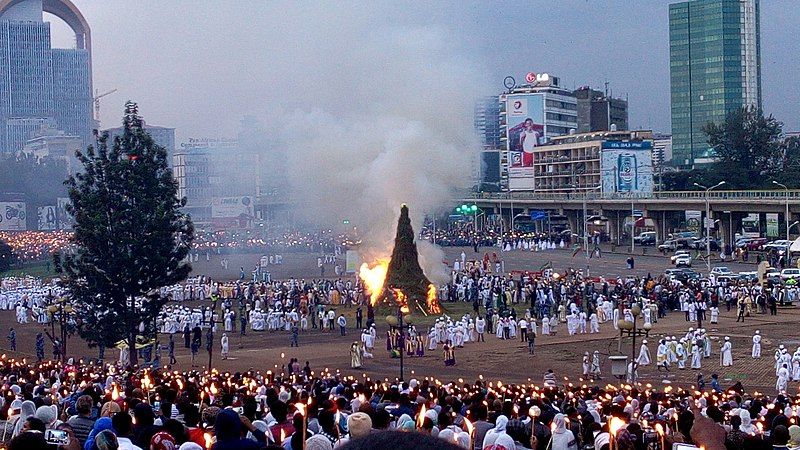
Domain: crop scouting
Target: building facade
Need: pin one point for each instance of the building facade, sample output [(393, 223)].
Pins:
[(715, 67), (163, 136), (662, 149), (531, 115), (37, 82), (608, 162), (600, 112)]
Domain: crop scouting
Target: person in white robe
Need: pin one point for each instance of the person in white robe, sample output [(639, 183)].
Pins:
[(727, 352), (696, 356), (225, 345), (594, 324), (680, 351), (756, 353), (644, 355)]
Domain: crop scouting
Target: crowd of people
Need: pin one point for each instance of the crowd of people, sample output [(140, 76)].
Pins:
[(110, 407)]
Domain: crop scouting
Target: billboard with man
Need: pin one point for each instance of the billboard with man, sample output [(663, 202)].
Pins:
[(525, 131)]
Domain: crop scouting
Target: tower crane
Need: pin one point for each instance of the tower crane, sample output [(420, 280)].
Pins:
[(97, 97)]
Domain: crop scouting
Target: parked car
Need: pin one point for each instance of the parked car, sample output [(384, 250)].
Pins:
[(645, 238), (700, 244), (773, 275), (751, 243), (748, 276), (779, 244), (668, 245), (683, 260), (678, 254), (789, 274), (685, 275), (721, 270)]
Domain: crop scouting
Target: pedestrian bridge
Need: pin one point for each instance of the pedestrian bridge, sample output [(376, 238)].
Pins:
[(666, 208)]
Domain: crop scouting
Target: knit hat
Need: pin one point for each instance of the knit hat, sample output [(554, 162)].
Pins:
[(163, 441), (359, 424), (318, 442)]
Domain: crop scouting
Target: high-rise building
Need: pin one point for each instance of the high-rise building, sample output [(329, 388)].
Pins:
[(40, 84), (715, 67), (598, 111), (487, 125)]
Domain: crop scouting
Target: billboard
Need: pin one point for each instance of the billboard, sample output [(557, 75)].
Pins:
[(46, 218), (63, 218), (230, 207), (627, 168), (525, 130), (12, 216)]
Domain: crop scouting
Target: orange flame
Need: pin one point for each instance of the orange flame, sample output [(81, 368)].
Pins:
[(402, 300), (432, 302), (374, 277), (421, 417)]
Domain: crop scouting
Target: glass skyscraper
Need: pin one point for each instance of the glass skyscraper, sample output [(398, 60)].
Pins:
[(715, 67), (39, 84)]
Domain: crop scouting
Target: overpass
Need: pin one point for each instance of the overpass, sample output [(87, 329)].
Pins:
[(665, 208)]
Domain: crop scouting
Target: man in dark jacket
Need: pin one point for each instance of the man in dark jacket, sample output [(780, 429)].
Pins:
[(229, 428)]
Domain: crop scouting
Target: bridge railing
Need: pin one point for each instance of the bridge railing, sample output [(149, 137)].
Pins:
[(765, 194)]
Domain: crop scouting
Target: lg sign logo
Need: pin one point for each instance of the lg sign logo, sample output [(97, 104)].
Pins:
[(530, 77)]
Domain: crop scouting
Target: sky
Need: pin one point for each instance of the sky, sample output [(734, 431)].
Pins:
[(200, 66)]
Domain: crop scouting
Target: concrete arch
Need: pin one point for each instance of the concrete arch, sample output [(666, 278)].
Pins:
[(66, 11)]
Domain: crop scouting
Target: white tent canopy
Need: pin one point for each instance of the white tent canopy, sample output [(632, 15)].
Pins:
[(795, 247)]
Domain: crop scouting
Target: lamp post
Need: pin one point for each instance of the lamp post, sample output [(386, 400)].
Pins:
[(786, 217), (706, 222), (396, 321)]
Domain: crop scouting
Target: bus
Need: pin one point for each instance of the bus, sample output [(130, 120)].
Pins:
[(751, 227)]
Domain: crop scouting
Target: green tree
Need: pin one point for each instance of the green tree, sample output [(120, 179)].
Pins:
[(7, 257), (130, 236), (748, 146)]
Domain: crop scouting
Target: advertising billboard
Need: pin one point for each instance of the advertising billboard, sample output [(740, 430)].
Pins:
[(627, 168), (46, 218), (64, 218), (772, 225), (525, 131), (12, 216), (229, 207)]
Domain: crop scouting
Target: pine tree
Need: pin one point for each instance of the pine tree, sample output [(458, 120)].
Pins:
[(404, 271), (130, 236)]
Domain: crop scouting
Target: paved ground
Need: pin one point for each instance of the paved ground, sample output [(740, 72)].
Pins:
[(508, 360)]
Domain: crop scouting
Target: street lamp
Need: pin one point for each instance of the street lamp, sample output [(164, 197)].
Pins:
[(633, 330), (706, 224), (396, 321), (786, 217)]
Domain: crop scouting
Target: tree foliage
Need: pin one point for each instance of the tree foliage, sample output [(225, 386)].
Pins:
[(7, 257), (130, 236), (749, 147)]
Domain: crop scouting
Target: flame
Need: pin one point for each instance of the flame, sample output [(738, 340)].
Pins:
[(614, 425), (374, 277), (432, 302), (421, 418), (115, 393), (209, 440), (402, 300)]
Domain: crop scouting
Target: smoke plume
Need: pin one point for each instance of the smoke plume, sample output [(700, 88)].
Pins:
[(401, 132)]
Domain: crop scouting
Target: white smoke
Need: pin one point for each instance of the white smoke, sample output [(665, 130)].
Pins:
[(402, 133)]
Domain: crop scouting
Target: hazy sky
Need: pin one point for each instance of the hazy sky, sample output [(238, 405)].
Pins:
[(201, 65)]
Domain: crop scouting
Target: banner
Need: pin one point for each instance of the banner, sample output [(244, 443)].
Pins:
[(46, 218), (230, 207), (63, 218), (12, 216), (352, 261), (772, 225)]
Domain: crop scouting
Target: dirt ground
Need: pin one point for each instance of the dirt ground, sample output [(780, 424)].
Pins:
[(494, 359)]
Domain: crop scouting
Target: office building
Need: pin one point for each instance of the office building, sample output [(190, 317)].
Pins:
[(715, 67), (38, 83), (162, 136), (51, 142), (530, 115), (598, 111)]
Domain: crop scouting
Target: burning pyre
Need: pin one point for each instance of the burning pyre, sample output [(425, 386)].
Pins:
[(400, 278)]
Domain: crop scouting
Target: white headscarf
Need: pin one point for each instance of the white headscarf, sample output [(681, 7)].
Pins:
[(28, 409)]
